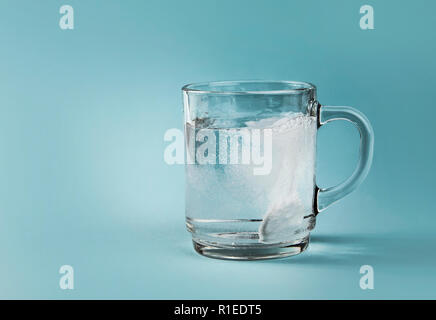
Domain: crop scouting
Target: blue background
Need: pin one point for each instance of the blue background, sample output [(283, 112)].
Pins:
[(82, 118)]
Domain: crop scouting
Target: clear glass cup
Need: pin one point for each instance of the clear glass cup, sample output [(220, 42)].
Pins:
[(250, 157)]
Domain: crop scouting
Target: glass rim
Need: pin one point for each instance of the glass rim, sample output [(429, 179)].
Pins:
[(294, 87)]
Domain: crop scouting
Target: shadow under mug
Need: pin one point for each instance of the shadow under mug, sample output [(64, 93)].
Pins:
[(250, 155)]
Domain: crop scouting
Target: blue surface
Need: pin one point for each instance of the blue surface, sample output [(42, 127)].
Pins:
[(82, 118)]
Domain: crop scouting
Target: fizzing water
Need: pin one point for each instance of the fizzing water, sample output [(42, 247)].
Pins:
[(227, 203)]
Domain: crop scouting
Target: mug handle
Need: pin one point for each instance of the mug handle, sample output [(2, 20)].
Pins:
[(324, 197)]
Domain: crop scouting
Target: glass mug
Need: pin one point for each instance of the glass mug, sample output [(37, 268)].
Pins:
[(250, 166)]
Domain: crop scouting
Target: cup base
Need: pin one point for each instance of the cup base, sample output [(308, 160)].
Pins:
[(258, 252)]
